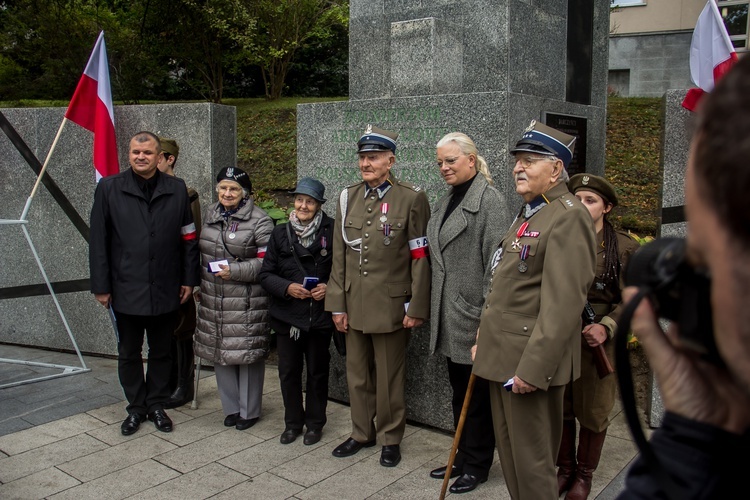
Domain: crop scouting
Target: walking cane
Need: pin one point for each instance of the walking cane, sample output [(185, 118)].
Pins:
[(194, 404), (459, 429)]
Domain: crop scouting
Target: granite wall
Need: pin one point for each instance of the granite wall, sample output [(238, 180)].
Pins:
[(206, 134), (423, 69)]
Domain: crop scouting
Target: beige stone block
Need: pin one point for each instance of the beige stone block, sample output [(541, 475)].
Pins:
[(196, 429), (265, 486), (114, 413), (39, 485), (28, 439), (267, 455), (200, 483), (207, 450), (361, 480), (319, 464), (116, 458), (122, 483), (50, 455)]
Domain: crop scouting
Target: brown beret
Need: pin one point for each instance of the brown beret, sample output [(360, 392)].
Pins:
[(590, 182)]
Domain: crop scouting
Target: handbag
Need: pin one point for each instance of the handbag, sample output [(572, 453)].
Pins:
[(339, 338)]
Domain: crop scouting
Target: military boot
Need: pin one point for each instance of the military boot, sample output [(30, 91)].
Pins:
[(590, 445), (183, 394), (566, 457)]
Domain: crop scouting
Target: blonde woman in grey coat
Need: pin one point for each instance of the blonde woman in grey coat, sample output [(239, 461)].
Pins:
[(466, 226), (233, 331)]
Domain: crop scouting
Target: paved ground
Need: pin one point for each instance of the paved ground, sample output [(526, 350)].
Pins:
[(61, 438)]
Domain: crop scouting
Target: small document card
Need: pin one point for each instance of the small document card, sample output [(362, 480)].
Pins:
[(310, 282), (214, 266)]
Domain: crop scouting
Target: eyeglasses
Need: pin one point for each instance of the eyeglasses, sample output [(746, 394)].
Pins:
[(449, 161), (528, 161)]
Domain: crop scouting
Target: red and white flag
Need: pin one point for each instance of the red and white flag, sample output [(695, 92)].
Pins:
[(711, 54), (91, 108)]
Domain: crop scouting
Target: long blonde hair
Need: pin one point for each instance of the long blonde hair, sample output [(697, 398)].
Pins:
[(467, 147)]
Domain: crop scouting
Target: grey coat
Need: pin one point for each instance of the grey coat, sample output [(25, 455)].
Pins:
[(461, 251), (233, 324)]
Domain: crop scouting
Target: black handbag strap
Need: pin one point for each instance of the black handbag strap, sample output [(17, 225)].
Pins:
[(291, 245)]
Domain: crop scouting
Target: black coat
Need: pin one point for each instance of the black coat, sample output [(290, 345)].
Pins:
[(137, 251), (280, 269)]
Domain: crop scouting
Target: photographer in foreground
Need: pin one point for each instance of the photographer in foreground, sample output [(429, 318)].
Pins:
[(703, 444)]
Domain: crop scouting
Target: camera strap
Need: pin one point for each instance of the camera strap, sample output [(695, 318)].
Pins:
[(627, 393), (291, 246)]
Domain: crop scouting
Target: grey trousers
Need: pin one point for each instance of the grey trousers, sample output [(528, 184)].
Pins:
[(241, 388)]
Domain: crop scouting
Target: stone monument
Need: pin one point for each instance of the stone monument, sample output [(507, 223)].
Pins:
[(485, 68), (207, 137)]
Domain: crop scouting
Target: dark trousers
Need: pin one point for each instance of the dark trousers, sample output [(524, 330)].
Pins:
[(476, 447), (311, 349), (149, 394)]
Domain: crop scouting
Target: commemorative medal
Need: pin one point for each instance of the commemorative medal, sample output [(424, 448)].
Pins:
[(232, 228), (323, 251), (384, 210), (232, 236), (386, 234), (516, 244), (522, 266)]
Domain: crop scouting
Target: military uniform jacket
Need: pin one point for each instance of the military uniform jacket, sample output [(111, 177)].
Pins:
[(606, 300), (531, 321), (373, 286)]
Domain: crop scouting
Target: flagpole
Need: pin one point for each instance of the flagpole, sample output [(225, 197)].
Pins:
[(44, 168)]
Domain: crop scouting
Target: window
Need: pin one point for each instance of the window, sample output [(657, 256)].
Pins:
[(734, 13), (627, 3)]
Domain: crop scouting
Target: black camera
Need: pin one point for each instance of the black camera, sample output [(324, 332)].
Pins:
[(678, 291)]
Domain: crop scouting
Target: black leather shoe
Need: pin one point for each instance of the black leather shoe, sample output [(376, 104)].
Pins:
[(245, 423), (289, 435), (161, 421), (131, 424), (231, 420), (439, 473), (390, 456), (350, 447), (465, 483), (312, 436)]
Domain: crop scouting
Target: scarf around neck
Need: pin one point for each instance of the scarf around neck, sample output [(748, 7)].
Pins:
[(306, 232)]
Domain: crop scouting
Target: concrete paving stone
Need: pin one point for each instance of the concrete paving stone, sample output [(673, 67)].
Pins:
[(266, 486), (40, 485), (122, 483), (116, 458), (41, 435), (361, 480), (50, 455), (200, 483), (415, 485), (319, 465), (11, 425), (76, 405), (112, 435), (195, 429), (111, 413), (207, 450), (418, 449), (266, 455), (60, 388), (3, 455)]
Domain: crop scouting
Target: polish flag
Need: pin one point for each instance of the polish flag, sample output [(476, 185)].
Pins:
[(711, 54), (91, 108)]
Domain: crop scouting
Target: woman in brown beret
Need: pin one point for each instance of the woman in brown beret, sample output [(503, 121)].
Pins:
[(590, 398)]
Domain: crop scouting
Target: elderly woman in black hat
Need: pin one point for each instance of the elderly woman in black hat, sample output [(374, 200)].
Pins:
[(590, 398), (233, 331), (295, 272)]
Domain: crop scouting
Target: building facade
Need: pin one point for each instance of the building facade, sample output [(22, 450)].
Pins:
[(649, 45)]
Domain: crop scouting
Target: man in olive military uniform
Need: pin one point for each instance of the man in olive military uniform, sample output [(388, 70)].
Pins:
[(529, 338), (378, 290), (182, 376), (590, 399)]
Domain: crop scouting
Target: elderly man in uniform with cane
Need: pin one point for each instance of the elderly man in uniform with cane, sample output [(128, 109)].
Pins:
[(378, 290), (528, 342)]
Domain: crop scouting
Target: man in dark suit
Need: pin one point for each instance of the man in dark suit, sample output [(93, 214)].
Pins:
[(143, 258), (378, 290), (529, 331)]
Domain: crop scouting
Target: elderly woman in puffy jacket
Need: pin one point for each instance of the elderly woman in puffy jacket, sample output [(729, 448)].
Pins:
[(295, 272), (233, 331)]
